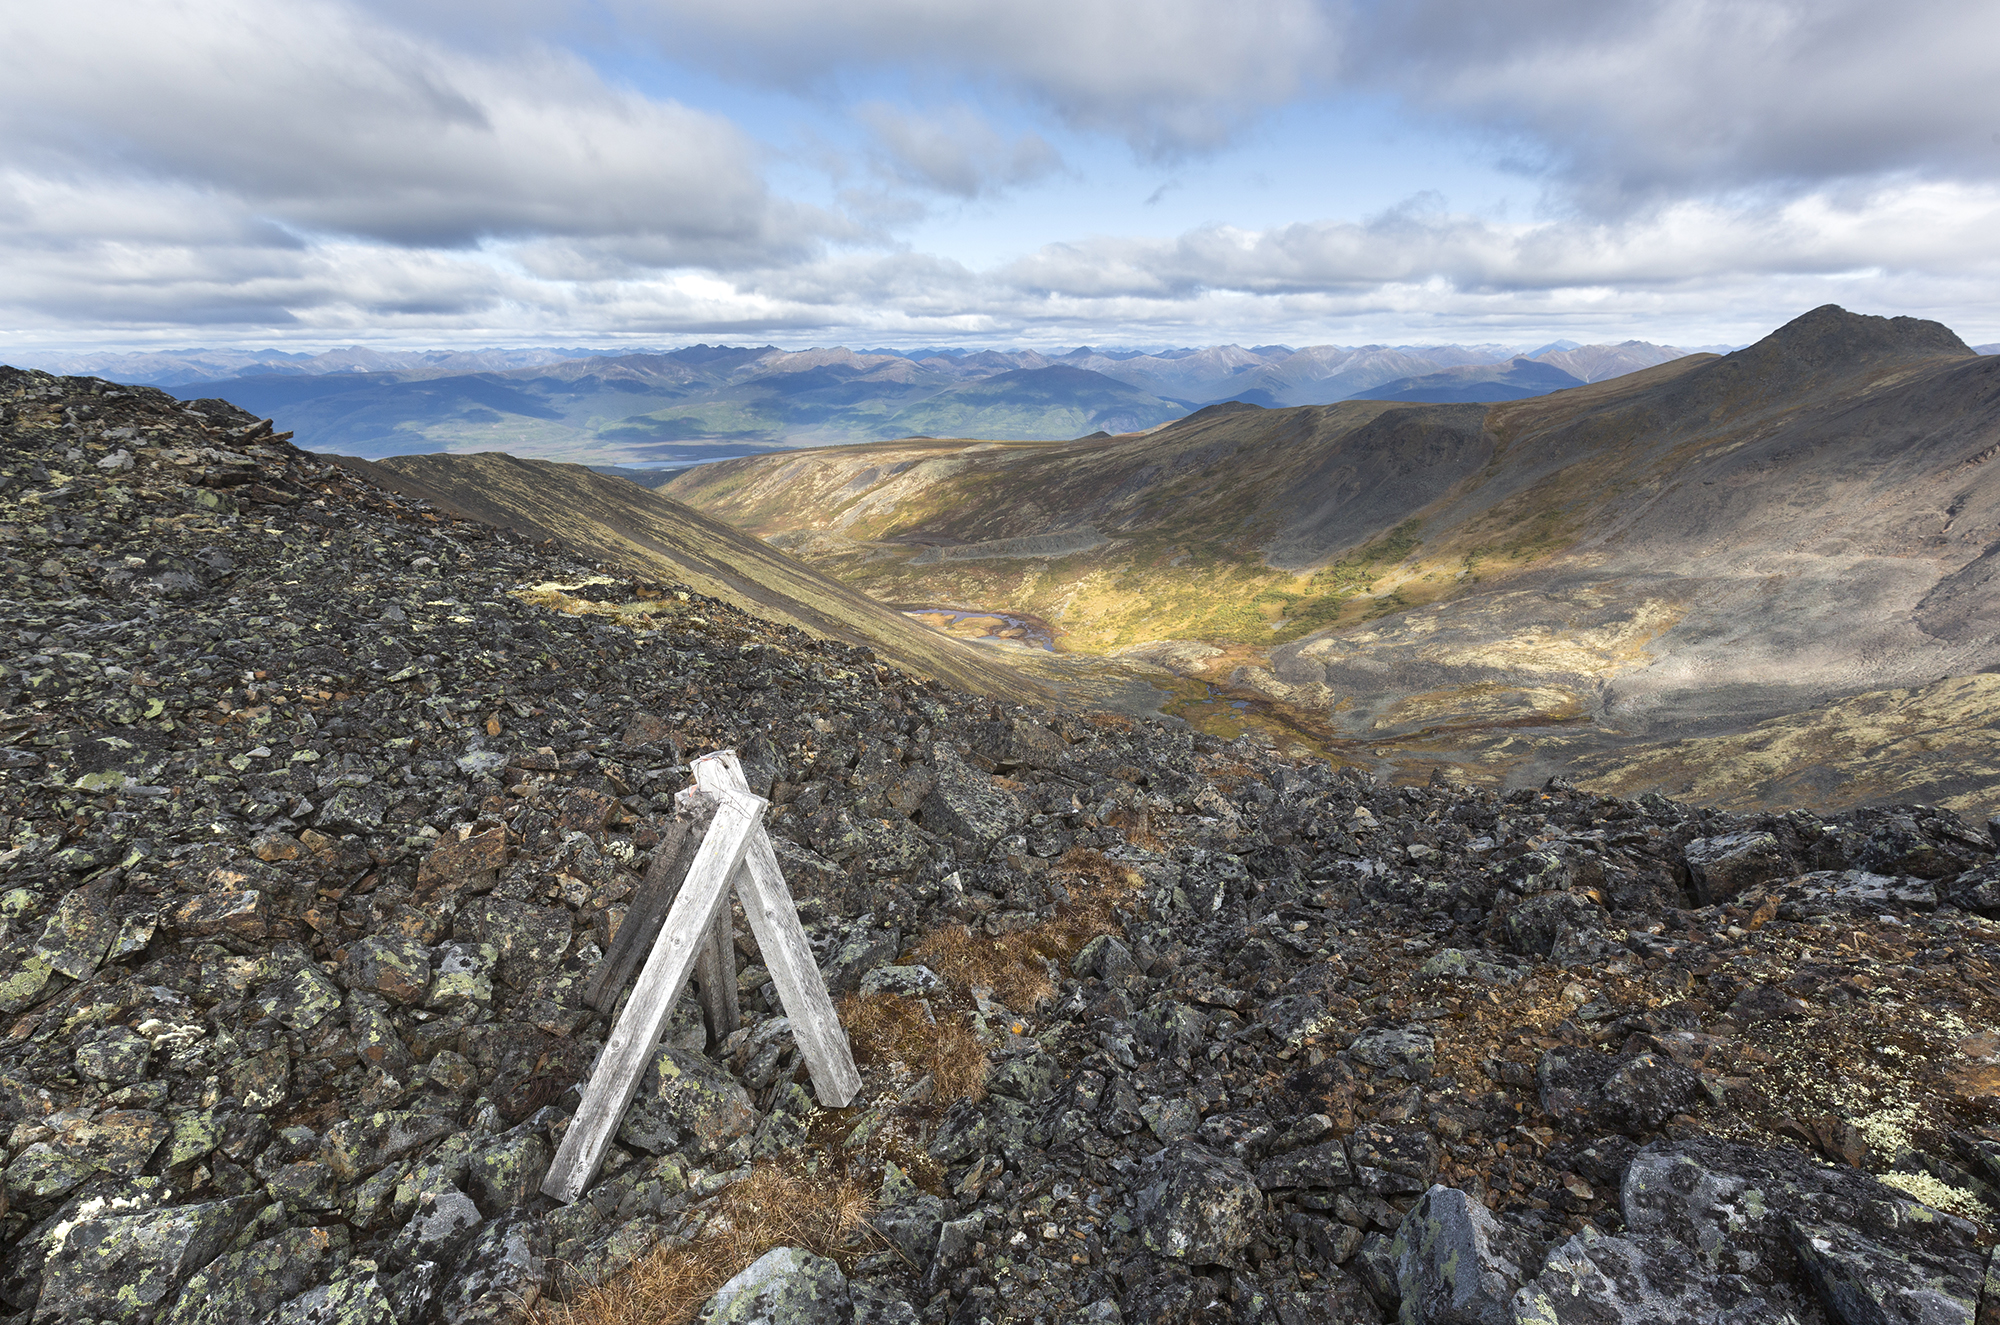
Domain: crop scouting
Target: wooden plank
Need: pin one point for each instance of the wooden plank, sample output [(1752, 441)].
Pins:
[(715, 974), (636, 1037), (648, 911), (781, 940)]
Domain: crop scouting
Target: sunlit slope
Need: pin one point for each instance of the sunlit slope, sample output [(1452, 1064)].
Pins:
[(622, 524), (1197, 530), (1675, 554)]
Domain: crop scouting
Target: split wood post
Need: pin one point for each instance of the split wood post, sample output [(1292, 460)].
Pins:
[(648, 911), (715, 974), (636, 1037), (774, 920)]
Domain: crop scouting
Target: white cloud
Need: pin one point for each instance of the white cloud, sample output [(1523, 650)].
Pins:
[(955, 151), (312, 116), (1628, 103), (447, 168), (1168, 76)]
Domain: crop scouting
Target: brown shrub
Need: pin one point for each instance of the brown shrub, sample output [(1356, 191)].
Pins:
[(888, 1028), (775, 1206), (1015, 966)]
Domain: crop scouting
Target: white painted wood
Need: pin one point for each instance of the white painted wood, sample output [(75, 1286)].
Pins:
[(636, 1037), (774, 920)]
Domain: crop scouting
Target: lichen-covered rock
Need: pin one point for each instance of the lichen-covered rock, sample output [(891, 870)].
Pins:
[(1771, 1215), (80, 933), (1391, 1160), (117, 1141), (302, 997), (356, 1296), (908, 1217), (1554, 925), (508, 1174), (1196, 1206), (243, 913), (1321, 1166), (248, 1285), (1588, 1090), (1913, 1281), (443, 1223), (500, 1276), (1852, 892), (1721, 867), (463, 982), (686, 1098), (784, 1286), (1409, 1052), (912, 981), (356, 1147), (397, 968), (1595, 1280), (467, 865), (965, 804), (108, 1265), (1454, 1264), (114, 1056)]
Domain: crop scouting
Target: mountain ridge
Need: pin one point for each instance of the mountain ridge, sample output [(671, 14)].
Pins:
[(619, 523), (667, 409)]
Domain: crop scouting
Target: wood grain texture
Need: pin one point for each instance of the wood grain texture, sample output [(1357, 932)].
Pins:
[(774, 920), (636, 1037)]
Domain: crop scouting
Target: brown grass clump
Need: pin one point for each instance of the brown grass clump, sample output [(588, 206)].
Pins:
[(889, 1028), (774, 1207), (1010, 965), (1015, 966)]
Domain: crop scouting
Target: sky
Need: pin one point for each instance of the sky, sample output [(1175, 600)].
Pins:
[(311, 173)]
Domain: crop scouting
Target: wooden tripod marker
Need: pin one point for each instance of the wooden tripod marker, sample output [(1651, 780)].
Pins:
[(735, 851)]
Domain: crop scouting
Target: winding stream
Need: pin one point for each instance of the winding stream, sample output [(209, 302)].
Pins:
[(992, 627)]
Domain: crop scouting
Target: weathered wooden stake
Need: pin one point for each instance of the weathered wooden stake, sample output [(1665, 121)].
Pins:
[(695, 940), (636, 1037), (648, 911), (715, 974), (774, 920)]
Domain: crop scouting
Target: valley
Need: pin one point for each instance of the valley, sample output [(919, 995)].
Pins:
[(1621, 580)]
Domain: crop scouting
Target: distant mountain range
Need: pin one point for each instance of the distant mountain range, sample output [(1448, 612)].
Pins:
[(670, 409)]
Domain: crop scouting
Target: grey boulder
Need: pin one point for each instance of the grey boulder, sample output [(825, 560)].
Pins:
[(1595, 1280), (1454, 1263), (785, 1286)]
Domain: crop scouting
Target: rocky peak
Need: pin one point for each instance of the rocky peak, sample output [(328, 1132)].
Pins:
[(1826, 348)]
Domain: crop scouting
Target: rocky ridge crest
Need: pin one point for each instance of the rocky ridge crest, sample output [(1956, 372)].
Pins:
[(317, 815)]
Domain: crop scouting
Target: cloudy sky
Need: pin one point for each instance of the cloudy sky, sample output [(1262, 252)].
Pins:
[(1040, 172)]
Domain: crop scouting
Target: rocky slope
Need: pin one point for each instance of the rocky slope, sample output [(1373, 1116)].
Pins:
[(318, 815), (607, 519), (1567, 583)]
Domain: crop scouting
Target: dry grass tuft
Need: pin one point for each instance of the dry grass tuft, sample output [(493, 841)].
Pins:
[(890, 1029), (1010, 965), (1015, 966), (775, 1206)]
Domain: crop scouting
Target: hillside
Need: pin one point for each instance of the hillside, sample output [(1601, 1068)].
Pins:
[(319, 814), (709, 402), (1672, 554), (1517, 379), (609, 520)]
